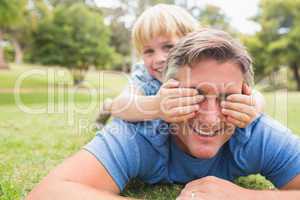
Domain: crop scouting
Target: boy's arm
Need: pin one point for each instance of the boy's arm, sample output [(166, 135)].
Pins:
[(133, 105), (171, 103)]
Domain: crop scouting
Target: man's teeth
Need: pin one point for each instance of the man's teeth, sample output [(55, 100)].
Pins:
[(205, 133), (199, 132)]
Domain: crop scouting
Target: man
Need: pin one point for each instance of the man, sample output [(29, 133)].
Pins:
[(204, 152)]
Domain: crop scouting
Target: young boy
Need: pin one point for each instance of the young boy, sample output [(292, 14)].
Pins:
[(154, 34)]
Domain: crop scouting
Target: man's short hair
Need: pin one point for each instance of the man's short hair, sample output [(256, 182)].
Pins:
[(209, 44), (162, 20)]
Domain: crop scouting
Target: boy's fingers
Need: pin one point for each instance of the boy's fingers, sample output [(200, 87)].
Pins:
[(171, 84), (236, 122), (246, 89), (183, 117), (184, 110), (239, 107), (237, 115), (245, 99), (182, 92), (185, 101)]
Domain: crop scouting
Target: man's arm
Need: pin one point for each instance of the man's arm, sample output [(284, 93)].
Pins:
[(294, 184), (211, 188), (78, 177)]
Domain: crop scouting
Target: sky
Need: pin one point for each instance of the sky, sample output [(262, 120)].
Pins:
[(238, 12)]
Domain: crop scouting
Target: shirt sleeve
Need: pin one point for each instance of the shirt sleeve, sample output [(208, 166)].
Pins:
[(123, 153), (115, 147), (280, 157)]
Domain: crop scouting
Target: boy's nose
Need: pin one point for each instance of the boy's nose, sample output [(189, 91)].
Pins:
[(160, 60)]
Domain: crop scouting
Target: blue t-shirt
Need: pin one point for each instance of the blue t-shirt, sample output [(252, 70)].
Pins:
[(141, 79), (149, 152)]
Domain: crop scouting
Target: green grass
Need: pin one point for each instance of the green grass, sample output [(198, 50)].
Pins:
[(33, 144)]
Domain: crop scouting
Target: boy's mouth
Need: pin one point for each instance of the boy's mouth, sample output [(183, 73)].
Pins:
[(160, 70)]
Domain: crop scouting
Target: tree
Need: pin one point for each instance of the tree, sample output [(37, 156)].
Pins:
[(10, 14), (74, 37), (280, 34), (212, 16), (261, 64)]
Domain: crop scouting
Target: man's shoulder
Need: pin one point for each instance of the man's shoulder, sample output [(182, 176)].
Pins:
[(261, 128), (252, 147), (266, 123), (154, 132), (263, 135)]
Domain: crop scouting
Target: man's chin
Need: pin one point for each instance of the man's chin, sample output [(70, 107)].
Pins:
[(204, 153)]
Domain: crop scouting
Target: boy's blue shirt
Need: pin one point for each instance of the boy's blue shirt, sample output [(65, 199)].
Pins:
[(147, 151), (141, 79)]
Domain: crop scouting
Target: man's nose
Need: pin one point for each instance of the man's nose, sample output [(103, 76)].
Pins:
[(210, 111)]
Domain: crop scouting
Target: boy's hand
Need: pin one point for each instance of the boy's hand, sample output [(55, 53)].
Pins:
[(240, 108), (177, 104)]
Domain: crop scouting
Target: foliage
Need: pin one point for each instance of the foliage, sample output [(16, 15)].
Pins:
[(74, 37), (9, 53), (278, 42), (10, 12), (213, 16)]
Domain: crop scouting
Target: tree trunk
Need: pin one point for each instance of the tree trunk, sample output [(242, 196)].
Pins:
[(296, 73), (3, 64), (18, 51)]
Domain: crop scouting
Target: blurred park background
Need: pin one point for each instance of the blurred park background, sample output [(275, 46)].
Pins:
[(59, 59)]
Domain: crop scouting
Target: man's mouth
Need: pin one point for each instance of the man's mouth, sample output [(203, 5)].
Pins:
[(204, 133)]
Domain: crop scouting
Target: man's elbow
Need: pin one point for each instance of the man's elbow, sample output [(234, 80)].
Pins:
[(44, 190)]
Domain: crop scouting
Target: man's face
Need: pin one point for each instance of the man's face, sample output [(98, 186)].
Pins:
[(203, 135)]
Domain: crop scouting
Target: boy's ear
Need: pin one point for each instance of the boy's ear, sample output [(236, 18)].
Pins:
[(246, 89)]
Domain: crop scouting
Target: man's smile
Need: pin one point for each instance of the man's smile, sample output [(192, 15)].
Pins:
[(202, 130)]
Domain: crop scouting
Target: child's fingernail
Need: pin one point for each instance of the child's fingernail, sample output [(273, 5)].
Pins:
[(174, 81), (222, 103), (228, 97), (200, 97)]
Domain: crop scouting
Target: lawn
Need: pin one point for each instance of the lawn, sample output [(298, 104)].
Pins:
[(37, 136)]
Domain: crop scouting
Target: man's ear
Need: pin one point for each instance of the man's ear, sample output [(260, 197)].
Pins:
[(246, 89)]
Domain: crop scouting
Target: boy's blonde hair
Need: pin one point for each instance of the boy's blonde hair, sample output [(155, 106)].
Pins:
[(161, 20)]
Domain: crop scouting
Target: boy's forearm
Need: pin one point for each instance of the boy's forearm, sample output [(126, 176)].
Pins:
[(135, 107)]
